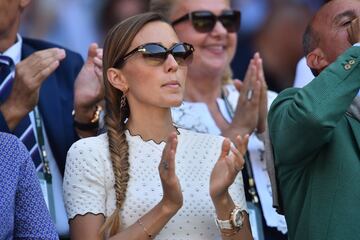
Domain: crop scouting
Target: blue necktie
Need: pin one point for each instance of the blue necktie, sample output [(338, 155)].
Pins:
[(24, 130)]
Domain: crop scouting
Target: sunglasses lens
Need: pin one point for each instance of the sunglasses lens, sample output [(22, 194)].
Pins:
[(230, 20), (182, 53), (203, 21), (154, 54)]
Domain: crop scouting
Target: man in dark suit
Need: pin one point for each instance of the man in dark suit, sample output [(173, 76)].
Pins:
[(37, 75), (315, 131)]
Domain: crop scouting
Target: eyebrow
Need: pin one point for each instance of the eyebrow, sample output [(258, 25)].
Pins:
[(347, 13)]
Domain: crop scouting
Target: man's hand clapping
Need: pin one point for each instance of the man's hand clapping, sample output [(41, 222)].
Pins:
[(29, 76)]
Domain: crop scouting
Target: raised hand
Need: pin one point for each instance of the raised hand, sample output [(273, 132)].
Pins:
[(354, 31), (246, 114), (263, 110), (29, 76), (172, 197), (89, 87), (229, 164)]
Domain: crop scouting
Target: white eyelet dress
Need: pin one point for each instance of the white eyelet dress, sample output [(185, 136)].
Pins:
[(89, 183)]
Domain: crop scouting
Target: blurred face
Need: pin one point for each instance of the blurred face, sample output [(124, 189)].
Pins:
[(332, 22), (9, 13), (155, 84), (127, 8), (214, 50)]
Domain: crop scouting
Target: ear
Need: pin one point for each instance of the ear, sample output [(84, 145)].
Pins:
[(24, 3), (117, 79), (316, 60)]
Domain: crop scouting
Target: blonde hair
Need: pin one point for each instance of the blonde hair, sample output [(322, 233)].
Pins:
[(117, 43)]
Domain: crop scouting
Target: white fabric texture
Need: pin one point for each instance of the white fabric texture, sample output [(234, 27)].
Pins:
[(196, 116), (89, 182), (303, 74)]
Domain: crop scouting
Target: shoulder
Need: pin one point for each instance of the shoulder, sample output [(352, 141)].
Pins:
[(38, 45), (88, 158), (88, 151), (12, 150), (285, 95), (7, 140), (95, 144), (280, 104)]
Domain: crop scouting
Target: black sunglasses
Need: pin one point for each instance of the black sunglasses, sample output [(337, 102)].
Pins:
[(204, 21), (156, 54)]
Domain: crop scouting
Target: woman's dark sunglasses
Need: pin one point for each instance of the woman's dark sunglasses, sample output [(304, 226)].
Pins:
[(156, 54), (204, 21)]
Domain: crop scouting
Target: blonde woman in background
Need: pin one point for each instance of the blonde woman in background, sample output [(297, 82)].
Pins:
[(147, 178), (215, 103)]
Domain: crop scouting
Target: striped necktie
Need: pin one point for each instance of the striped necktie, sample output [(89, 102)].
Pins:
[(24, 129)]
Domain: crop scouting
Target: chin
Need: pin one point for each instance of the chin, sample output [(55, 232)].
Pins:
[(174, 102), (177, 104), (218, 64)]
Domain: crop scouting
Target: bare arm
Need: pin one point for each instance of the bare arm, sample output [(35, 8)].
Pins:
[(224, 207), (88, 226), (222, 177)]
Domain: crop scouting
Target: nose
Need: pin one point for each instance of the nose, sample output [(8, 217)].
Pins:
[(219, 29), (170, 64)]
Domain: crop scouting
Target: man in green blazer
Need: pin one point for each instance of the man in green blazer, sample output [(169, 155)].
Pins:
[(315, 131)]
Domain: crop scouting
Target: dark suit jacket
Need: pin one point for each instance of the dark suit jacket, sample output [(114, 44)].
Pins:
[(317, 153), (56, 100)]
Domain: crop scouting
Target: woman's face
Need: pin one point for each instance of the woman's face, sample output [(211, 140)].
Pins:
[(213, 50), (159, 85)]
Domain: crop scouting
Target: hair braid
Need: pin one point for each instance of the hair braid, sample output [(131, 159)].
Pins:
[(116, 44), (119, 155)]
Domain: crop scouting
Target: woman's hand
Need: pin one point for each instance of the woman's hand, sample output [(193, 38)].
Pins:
[(227, 167), (246, 114), (172, 198), (263, 110)]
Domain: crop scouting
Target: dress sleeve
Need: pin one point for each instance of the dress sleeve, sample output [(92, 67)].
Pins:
[(84, 181), (32, 218)]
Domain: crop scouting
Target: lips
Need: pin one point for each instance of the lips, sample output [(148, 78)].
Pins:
[(171, 84), (216, 49)]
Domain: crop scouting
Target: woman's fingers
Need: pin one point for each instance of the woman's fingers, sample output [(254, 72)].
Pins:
[(241, 143), (239, 151), (246, 84), (225, 148), (254, 97), (238, 85), (168, 156), (171, 160)]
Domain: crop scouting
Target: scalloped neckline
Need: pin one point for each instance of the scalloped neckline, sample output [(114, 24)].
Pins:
[(139, 137)]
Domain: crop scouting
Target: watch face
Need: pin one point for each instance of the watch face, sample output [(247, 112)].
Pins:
[(238, 218)]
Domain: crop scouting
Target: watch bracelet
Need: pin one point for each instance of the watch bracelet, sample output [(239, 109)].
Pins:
[(94, 122)]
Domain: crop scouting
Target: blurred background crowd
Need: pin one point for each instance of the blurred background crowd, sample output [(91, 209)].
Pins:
[(272, 27)]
